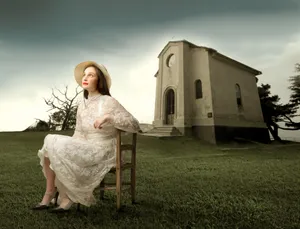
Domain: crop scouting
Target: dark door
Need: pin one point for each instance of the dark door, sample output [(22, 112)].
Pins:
[(170, 107)]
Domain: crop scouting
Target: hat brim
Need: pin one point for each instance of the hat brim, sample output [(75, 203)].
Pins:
[(79, 72)]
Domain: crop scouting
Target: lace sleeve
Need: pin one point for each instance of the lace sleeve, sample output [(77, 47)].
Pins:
[(121, 118), (78, 133)]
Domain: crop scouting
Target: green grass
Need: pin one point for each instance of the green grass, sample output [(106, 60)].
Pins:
[(181, 183)]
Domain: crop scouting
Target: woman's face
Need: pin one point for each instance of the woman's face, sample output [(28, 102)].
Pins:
[(90, 79)]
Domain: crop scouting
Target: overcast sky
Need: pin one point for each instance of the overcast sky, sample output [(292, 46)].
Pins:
[(42, 41)]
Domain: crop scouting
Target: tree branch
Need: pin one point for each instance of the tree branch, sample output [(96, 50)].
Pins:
[(65, 107)]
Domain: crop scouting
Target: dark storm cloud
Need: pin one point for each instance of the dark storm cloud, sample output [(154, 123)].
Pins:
[(38, 37), (53, 21)]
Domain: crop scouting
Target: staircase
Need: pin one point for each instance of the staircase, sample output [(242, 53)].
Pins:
[(164, 131)]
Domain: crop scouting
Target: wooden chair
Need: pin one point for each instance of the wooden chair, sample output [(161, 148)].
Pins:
[(119, 169)]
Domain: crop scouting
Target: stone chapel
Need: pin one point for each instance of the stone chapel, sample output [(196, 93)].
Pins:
[(204, 93)]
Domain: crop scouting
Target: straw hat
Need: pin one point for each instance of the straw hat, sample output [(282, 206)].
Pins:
[(79, 71)]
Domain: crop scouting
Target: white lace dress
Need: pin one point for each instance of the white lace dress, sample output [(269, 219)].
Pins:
[(80, 162)]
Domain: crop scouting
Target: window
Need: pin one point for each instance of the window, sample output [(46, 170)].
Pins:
[(171, 60), (238, 96), (198, 89)]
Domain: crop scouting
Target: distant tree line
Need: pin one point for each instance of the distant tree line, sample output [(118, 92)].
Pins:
[(39, 125)]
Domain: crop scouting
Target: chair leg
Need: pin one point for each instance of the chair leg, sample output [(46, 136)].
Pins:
[(118, 189), (133, 185), (56, 198)]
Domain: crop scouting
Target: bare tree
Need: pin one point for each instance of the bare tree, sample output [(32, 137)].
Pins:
[(64, 108)]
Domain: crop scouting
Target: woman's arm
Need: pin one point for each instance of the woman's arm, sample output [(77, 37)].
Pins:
[(119, 117)]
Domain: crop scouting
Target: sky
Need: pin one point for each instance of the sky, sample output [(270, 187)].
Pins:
[(42, 41)]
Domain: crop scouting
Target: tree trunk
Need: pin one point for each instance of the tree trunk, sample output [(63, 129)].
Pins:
[(274, 131), (65, 125)]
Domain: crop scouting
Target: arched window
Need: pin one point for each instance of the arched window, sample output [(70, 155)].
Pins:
[(170, 60), (198, 89), (238, 96)]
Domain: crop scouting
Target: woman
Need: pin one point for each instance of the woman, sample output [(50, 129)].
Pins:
[(76, 165)]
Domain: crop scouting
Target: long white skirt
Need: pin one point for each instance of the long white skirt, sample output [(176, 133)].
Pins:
[(79, 165)]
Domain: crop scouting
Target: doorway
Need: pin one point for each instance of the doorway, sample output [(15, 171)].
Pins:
[(170, 106)]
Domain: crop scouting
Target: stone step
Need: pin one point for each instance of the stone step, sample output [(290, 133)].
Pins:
[(163, 131), (165, 127), (158, 134)]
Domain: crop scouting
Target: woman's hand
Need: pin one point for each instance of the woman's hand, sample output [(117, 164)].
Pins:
[(102, 120)]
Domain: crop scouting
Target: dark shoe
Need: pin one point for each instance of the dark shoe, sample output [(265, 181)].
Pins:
[(62, 209), (55, 201), (40, 206), (58, 210)]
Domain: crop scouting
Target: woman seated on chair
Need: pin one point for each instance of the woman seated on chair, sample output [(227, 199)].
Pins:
[(75, 166)]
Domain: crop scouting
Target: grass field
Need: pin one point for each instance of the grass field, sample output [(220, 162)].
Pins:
[(181, 183)]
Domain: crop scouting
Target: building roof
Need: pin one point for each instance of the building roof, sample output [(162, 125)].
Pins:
[(214, 53)]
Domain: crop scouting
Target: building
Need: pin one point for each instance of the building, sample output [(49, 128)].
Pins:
[(202, 92)]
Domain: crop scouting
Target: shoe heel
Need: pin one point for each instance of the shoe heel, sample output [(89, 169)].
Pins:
[(56, 198)]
